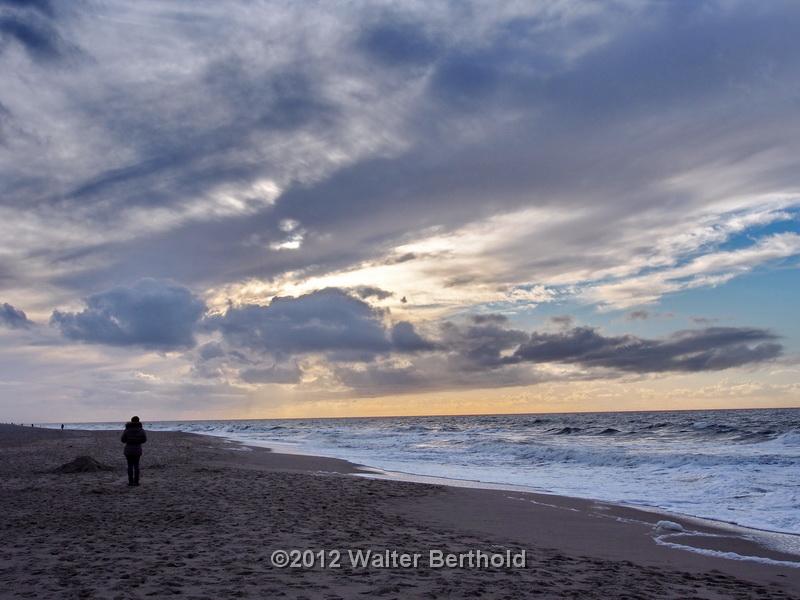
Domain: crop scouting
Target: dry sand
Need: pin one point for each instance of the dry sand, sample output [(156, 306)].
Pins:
[(209, 514)]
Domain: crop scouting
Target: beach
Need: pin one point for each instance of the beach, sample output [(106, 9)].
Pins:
[(210, 515)]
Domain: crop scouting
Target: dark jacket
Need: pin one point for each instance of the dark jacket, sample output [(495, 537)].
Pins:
[(133, 437)]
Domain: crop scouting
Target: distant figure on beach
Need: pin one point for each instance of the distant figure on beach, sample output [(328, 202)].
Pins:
[(133, 437), (62, 427)]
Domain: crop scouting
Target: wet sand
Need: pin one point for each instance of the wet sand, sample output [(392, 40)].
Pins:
[(209, 514)]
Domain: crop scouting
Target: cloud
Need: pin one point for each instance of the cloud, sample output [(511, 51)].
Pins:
[(406, 339), (13, 317), (393, 42), (710, 349), (325, 321), (435, 372), (367, 291), (481, 345), (43, 6), (361, 349), (472, 158), (638, 315), (282, 374), (210, 351), (492, 357), (152, 314), (350, 130), (32, 26), (713, 268), (483, 319), (704, 320), (564, 321), (259, 343)]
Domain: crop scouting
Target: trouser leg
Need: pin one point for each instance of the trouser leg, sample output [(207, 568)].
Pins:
[(130, 467), (136, 469)]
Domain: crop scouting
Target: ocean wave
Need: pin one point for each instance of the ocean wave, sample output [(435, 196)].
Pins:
[(609, 431), (566, 430)]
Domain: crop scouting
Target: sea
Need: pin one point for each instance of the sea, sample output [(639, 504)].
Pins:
[(735, 466)]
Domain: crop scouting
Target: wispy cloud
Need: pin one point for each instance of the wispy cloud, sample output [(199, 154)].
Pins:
[(709, 269)]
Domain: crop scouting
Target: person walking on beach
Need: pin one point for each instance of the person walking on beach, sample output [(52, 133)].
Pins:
[(133, 437)]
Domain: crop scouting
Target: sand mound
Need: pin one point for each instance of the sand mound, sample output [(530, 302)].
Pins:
[(82, 464)]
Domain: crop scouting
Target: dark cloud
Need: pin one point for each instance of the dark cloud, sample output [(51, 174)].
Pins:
[(468, 80), (704, 320), (326, 321), (519, 66), (396, 43), (33, 26), (282, 100), (406, 339), (6, 118), (164, 316), (283, 374), (492, 356), (663, 55), (482, 319), (380, 379), (406, 257), (40, 40), (13, 317), (43, 6), (481, 345), (210, 351), (708, 349), (367, 291), (682, 54), (433, 372), (638, 315), (460, 280), (151, 314), (564, 321)]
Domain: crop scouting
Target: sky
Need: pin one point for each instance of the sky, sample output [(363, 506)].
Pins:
[(307, 209)]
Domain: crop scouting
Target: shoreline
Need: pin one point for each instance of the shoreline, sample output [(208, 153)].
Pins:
[(768, 535), (754, 506), (782, 542), (694, 527), (208, 515), (767, 539)]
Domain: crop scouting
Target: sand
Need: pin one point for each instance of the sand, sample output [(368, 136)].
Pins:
[(209, 514)]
